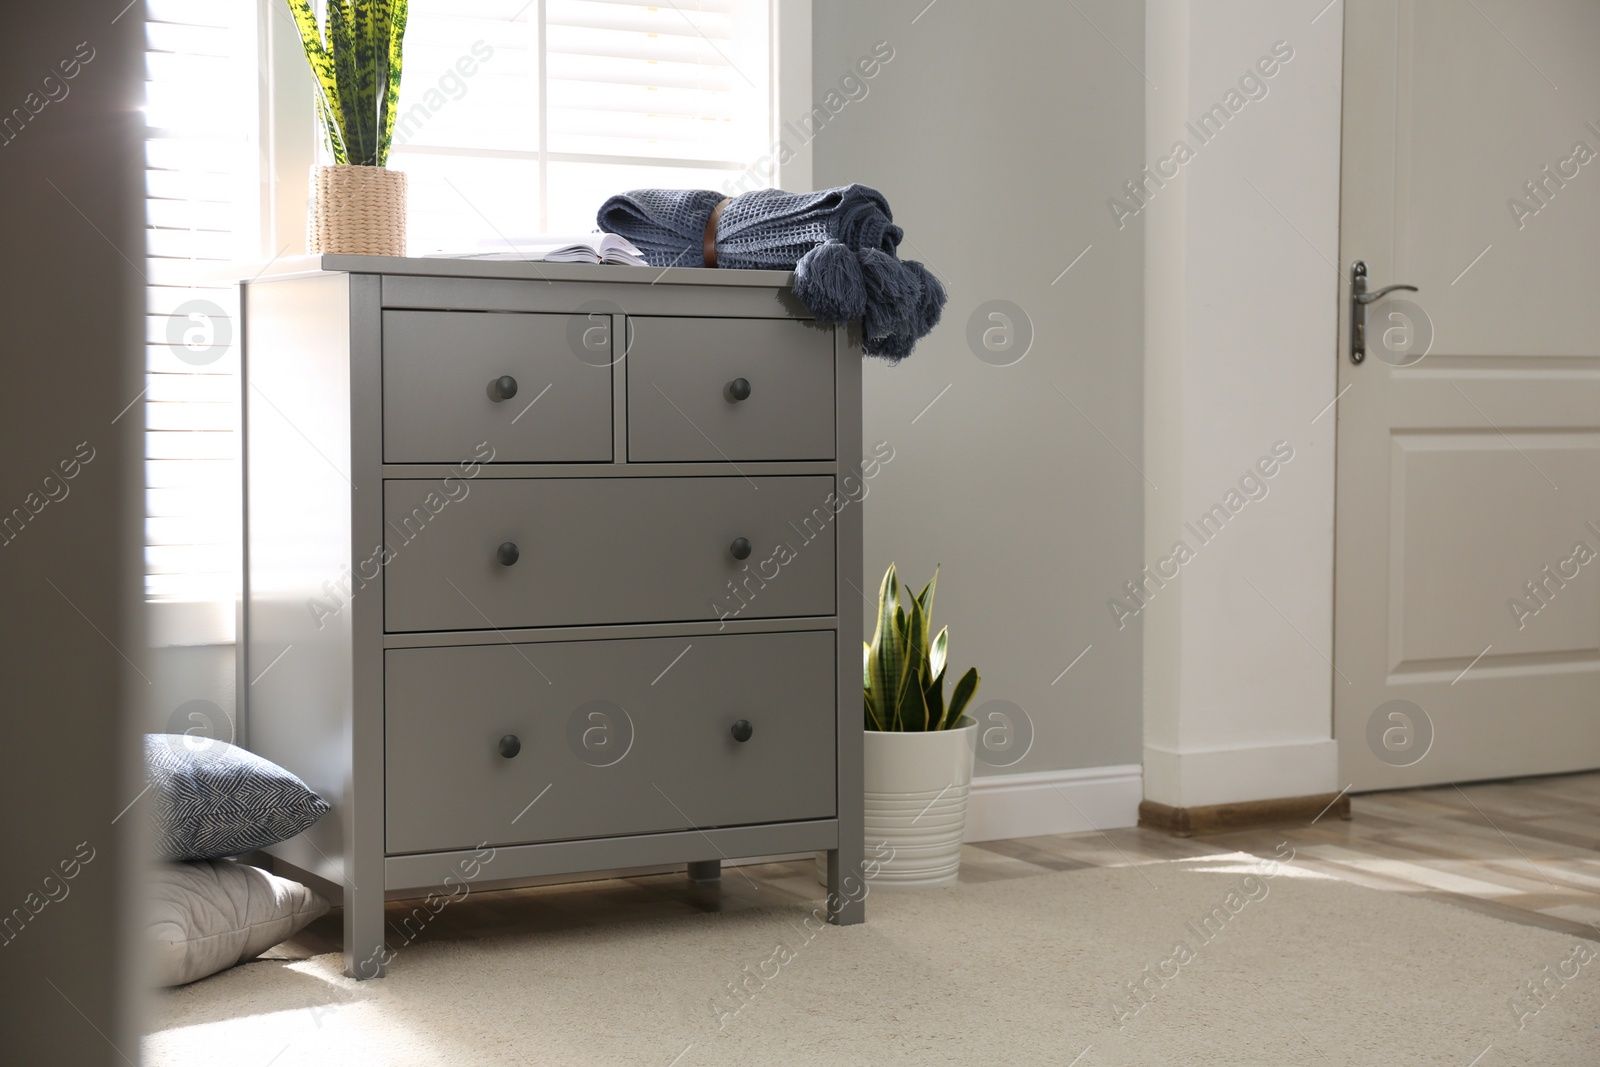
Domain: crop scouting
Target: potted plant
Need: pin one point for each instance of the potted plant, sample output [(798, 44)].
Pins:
[(919, 745), (358, 205)]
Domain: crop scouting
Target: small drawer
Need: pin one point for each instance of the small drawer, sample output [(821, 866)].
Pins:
[(502, 553), (612, 738), (715, 390), (446, 376)]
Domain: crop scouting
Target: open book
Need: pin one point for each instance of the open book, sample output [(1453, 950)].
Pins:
[(583, 248)]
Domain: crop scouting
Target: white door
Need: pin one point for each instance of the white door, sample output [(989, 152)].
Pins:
[(1467, 589)]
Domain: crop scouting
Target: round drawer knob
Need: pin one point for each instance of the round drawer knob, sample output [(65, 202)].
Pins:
[(507, 554), (742, 730), (503, 388), (740, 548), (509, 745), (739, 389)]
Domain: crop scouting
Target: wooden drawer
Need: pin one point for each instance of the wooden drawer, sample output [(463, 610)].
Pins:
[(617, 737), (605, 550), (680, 406), (438, 367)]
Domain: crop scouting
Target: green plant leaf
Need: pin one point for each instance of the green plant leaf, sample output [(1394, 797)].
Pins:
[(322, 68), (330, 129), (873, 721), (365, 57), (903, 672), (399, 14), (925, 598), (920, 626), (362, 50), (356, 58), (933, 698), (913, 706), (938, 652), (887, 664), (914, 709), (341, 41), (964, 691)]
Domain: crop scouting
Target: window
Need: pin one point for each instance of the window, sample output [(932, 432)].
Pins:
[(516, 117), (201, 197), (521, 117)]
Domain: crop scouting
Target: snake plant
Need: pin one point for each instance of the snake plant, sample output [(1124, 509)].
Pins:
[(356, 60), (902, 672)]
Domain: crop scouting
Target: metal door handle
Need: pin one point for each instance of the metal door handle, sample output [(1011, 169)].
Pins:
[(1359, 299)]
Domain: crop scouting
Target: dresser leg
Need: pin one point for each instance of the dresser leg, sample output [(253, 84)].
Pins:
[(365, 953), (847, 887), (705, 871)]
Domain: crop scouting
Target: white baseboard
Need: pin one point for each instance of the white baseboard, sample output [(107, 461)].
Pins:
[(1198, 778), (1054, 802)]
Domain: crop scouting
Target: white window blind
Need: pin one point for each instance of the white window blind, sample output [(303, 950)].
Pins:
[(521, 117), (201, 203)]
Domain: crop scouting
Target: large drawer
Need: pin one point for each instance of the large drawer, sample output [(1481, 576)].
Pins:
[(616, 737), (605, 550), (439, 396), (682, 406)]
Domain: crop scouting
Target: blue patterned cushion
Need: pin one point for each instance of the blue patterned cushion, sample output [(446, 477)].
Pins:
[(213, 799)]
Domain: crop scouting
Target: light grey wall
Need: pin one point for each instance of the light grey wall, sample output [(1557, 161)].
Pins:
[(998, 131)]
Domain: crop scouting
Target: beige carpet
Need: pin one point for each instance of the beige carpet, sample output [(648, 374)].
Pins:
[(1290, 969)]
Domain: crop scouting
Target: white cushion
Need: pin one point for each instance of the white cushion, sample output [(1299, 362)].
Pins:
[(208, 915)]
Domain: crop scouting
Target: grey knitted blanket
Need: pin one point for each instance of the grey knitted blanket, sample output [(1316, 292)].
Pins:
[(841, 243)]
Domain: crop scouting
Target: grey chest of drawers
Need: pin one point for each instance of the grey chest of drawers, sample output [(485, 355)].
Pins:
[(548, 571)]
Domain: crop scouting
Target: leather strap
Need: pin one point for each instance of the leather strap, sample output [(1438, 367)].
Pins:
[(709, 245)]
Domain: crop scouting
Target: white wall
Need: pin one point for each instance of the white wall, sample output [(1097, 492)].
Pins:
[(1241, 286), (997, 132)]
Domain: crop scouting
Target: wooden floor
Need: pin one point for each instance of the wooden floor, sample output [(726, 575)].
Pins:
[(1526, 850)]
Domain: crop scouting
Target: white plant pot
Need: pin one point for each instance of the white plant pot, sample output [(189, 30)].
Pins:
[(916, 803)]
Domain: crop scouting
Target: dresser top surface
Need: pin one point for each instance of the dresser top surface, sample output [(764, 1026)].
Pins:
[(300, 266)]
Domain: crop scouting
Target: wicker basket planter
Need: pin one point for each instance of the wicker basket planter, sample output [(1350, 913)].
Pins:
[(357, 211)]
